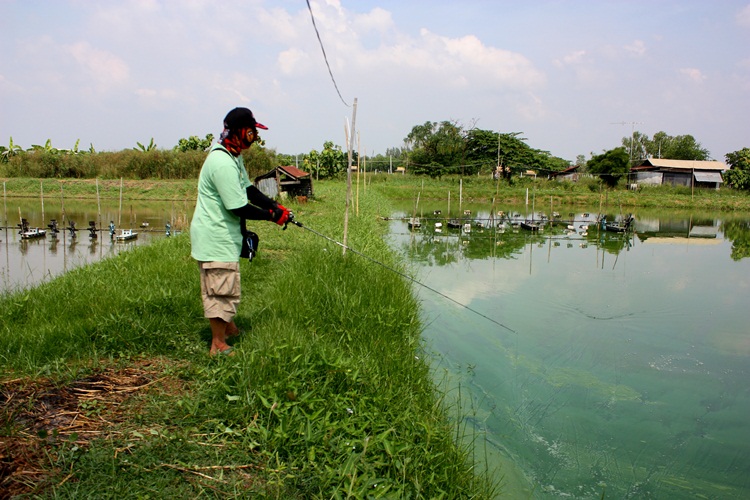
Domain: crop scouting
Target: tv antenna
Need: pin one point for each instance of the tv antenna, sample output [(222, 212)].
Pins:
[(632, 134)]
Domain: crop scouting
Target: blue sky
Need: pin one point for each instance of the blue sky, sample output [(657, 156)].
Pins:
[(574, 77)]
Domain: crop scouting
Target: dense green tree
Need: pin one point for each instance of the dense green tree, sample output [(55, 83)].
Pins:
[(328, 163), (517, 157), (682, 147), (482, 149), (581, 162), (194, 143), (436, 149), (610, 166), (258, 160), (738, 175)]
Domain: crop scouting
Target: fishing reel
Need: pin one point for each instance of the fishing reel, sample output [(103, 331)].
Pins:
[(290, 220)]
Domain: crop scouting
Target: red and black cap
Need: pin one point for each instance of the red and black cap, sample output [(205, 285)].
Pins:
[(240, 118)]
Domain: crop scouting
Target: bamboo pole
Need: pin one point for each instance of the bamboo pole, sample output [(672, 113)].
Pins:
[(5, 209), (41, 195), (356, 210), (349, 140), (460, 196)]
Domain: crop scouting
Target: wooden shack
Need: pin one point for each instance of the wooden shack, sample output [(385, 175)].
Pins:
[(290, 180), (688, 173)]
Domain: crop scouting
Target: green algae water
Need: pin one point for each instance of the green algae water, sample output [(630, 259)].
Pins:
[(622, 364)]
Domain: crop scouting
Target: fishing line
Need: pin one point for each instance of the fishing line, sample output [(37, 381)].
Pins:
[(413, 280)]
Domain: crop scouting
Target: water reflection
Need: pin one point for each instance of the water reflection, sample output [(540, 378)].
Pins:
[(83, 233), (627, 376), (440, 241)]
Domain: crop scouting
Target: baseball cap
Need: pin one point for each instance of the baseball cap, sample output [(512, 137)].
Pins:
[(241, 117)]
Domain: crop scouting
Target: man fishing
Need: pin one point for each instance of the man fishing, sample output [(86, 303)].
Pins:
[(226, 198)]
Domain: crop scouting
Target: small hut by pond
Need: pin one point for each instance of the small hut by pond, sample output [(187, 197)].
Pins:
[(290, 180)]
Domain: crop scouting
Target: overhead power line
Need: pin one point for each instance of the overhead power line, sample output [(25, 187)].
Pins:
[(324, 53)]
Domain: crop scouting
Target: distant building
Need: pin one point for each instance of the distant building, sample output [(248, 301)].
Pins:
[(655, 172), (569, 174), (290, 180)]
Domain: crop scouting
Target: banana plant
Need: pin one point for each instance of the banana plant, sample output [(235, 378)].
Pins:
[(151, 146), (47, 148), (12, 150)]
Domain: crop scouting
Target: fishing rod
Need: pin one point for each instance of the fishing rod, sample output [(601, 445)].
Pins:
[(292, 220)]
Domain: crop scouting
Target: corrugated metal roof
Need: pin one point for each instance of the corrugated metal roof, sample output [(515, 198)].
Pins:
[(690, 164), (294, 172)]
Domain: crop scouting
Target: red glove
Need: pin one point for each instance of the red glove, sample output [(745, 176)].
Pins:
[(280, 215)]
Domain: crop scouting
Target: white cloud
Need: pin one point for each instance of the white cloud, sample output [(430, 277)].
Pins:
[(377, 20), (369, 43), (693, 74), (637, 48), (743, 17), (294, 61), (104, 68), (572, 58)]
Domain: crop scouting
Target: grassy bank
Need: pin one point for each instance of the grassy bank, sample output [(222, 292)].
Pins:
[(406, 187), (108, 391)]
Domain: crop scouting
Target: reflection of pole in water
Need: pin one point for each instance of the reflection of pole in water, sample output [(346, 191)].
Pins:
[(531, 254), (549, 246), (62, 206), (98, 204)]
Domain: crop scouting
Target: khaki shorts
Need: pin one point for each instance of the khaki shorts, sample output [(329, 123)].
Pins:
[(220, 289)]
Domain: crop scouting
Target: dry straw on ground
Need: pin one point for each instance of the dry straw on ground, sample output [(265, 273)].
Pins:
[(38, 415)]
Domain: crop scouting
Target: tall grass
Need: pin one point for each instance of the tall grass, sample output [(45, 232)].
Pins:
[(329, 395), (158, 164)]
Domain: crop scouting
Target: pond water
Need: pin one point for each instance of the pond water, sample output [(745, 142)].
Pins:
[(594, 363), (28, 262)]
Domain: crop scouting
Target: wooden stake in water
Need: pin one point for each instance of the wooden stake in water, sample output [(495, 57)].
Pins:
[(5, 208), (119, 217), (41, 194), (98, 203)]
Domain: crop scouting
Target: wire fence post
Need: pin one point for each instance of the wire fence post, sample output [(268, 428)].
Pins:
[(350, 145)]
